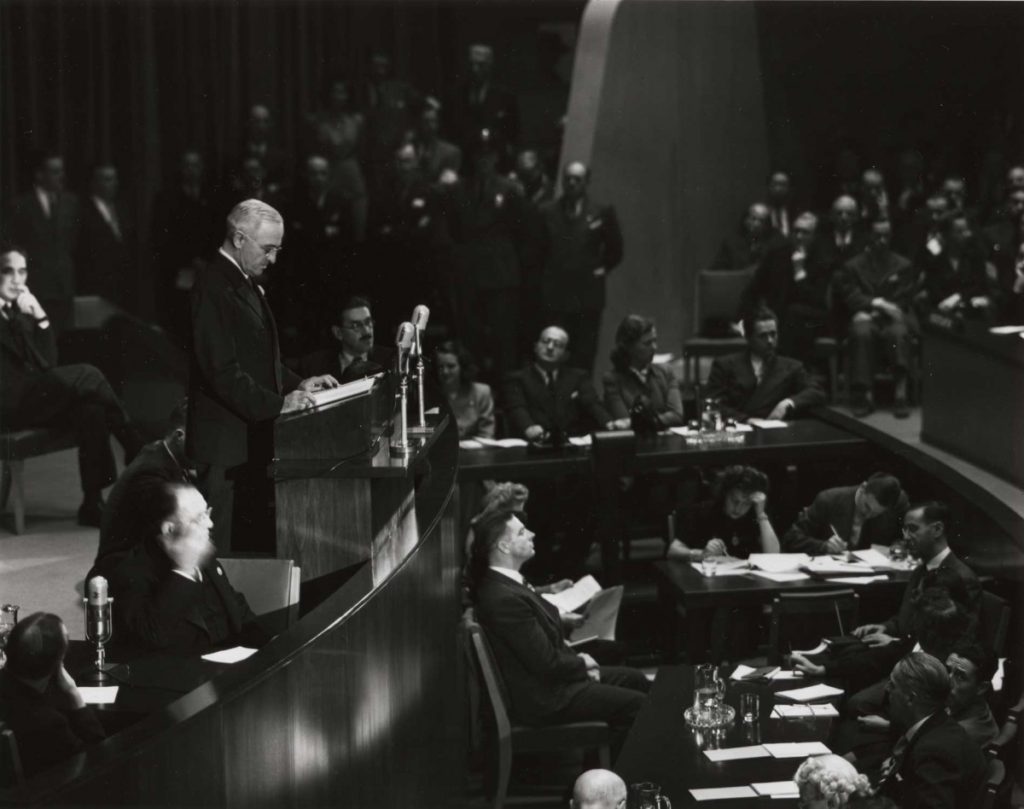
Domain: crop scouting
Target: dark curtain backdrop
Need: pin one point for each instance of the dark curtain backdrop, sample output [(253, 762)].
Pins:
[(941, 77), (137, 82)]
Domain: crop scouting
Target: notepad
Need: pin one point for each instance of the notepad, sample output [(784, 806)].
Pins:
[(98, 695), (734, 753), (804, 711), (234, 655), (796, 749), (777, 789), (811, 692), (722, 793)]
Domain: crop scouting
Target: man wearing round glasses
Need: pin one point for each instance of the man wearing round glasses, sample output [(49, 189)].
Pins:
[(237, 384), (353, 355)]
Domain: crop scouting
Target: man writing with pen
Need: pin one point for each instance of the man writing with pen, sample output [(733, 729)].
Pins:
[(926, 527), (847, 518)]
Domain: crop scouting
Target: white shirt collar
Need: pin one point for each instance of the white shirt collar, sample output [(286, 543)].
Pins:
[(937, 560), (44, 199), (757, 364), (515, 575), (231, 258)]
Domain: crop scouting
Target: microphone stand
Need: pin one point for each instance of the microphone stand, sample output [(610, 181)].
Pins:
[(402, 448), (421, 427)]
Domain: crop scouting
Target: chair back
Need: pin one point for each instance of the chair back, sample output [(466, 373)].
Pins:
[(717, 297), (612, 450), (832, 612), (267, 584), (11, 774), (995, 622), (489, 673)]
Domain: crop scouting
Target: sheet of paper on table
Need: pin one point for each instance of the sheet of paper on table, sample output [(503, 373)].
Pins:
[(804, 711), (98, 695), (786, 674), (1006, 330), (779, 789), (796, 749), (875, 556), (722, 793), (859, 579), (581, 440), (811, 692), (735, 753), (234, 655), (827, 565), (725, 567), (768, 424), (779, 562), (434, 411), (507, 443), (470, 443), (574, 597), (742, 671), (779, 577)]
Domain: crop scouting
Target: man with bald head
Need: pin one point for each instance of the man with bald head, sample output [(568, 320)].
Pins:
[(237, 384), (599, 789), (582, 243), (750, 243)]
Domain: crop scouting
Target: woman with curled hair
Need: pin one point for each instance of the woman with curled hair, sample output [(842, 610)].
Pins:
[(733, 523), (471, 402), (830, 782), (636, 383)]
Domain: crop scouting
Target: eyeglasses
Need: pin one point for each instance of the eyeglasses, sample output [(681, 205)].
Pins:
[(552, 341), (272, 251), (359, 325)]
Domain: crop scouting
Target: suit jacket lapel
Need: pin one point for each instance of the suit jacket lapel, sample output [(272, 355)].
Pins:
[(219, 582)]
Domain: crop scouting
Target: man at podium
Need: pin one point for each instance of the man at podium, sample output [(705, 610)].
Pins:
[(237, 384)]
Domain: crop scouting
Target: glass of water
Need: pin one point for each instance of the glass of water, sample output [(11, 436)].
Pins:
[(749, 706)]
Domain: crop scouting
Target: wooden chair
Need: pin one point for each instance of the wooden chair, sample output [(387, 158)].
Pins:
[(267, 584), (827, 607), (716, 297), (15, 448), (512, 738), (995, 622), (11, 774)]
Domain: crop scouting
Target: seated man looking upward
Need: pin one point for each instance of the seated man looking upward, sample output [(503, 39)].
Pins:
[(171, 593), (548, 400), (37, 392), (925, 528), (38, 698), (849, 517), (758, 383), (547, 682), (598, 789), (934, 763), (354, 354), (124, 521)]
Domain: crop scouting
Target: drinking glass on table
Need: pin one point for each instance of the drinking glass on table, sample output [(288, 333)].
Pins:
[(8, 618), (749, 705), (709, 564), (648, 796)]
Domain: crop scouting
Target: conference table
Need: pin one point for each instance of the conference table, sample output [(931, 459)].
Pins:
[(661, 748)]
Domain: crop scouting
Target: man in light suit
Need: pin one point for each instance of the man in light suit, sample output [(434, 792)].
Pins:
[(45, 222), (757, 382), (237, 384), (547, 682), (849, 517), (582, 244)]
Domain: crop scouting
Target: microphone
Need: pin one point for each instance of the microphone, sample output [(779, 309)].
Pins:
[(98, 626), (420, 318), (403, 341)]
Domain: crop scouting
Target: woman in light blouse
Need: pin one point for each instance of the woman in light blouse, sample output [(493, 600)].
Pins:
[(471, 402)]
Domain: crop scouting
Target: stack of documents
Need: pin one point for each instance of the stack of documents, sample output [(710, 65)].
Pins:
[(810, 693), (743, 672), (725, 566), (773, 750), (502, 442), (779, 562), (602, 613), (804, 711)]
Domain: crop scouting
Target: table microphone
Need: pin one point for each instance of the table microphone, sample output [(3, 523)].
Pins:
[(403, 342), (420, 318), (98, 626), (400, 446)]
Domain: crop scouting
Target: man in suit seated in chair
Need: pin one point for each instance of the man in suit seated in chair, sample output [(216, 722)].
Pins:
[(547, 682), (171, 593), (758, 383), (354, 355)]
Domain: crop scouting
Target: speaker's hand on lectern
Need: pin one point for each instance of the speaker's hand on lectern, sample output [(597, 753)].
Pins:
[(297, 400), (318, 383)]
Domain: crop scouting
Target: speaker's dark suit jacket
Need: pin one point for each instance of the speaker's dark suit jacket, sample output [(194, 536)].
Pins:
[(45, 733), (733, 383), (574, 408), (834, 508), (236, 380), (540, 672), (941, 768), (50, 242), (157, 608)]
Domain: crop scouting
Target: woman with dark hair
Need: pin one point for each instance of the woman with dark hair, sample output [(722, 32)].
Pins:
[(733, 523), (38, 699), (336, 131), (636, 385), (470, 401)]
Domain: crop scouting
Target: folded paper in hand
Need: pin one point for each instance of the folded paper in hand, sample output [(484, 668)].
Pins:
[(574, 597), (601, 618)]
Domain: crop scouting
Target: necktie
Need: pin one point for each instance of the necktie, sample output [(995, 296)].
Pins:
[(892, 765), (551, 383), (114, 225)]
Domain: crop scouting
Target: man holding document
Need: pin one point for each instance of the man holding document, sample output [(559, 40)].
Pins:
[(547, 681)]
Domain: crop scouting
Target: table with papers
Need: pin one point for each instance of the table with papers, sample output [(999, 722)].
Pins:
[(732, 767)]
